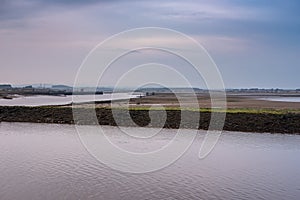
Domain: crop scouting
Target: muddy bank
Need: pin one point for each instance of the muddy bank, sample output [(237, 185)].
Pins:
[(245, 122), (253, 101)]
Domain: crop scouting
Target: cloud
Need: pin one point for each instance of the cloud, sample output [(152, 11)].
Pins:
[(60, 32), (18, 9)]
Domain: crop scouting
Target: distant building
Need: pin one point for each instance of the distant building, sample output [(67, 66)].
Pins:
[(61, 88), (28, 87), (5, 87)]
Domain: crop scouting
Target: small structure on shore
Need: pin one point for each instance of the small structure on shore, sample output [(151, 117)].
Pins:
[(5, 87)]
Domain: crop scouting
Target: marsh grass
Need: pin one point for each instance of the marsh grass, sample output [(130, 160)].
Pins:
[(229, 110)]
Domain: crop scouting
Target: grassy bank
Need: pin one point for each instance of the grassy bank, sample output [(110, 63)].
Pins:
[(228, 110), (247, 120)]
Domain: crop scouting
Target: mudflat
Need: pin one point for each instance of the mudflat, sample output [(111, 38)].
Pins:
[(241, 101)]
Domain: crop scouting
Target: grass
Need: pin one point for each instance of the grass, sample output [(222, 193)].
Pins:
[(229, 110)]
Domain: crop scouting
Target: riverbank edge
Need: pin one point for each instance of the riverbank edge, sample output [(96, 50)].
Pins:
[(260, 122)]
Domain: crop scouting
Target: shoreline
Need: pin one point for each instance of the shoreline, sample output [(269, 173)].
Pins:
[(236, 120)]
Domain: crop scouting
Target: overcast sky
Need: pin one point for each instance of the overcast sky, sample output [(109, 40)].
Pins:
[(255, 43)]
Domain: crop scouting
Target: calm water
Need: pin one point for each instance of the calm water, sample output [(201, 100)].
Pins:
[(284, 99), (60, 100), (40, 161)]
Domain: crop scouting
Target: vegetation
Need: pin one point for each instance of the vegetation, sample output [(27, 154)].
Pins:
[(229, 110)]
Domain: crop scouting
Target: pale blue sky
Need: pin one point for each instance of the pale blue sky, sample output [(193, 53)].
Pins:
[(255, 43)]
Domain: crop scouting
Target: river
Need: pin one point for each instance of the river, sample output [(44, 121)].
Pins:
[(281, 98), (48, 161), (41, 100)]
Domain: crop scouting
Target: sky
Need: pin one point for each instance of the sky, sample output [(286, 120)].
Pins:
[(254, 43)]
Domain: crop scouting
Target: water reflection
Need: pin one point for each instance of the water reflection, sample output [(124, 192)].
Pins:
[(44, 161)]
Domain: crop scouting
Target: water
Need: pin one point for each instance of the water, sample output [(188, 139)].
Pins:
[(280, 98), (44, 161), (61, 100)]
